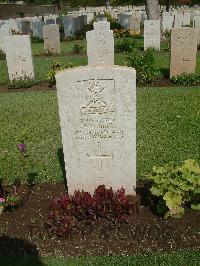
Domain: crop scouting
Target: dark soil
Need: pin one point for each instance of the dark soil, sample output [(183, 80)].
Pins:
[(23, 229)]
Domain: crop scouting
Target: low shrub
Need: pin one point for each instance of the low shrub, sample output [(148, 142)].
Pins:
[(125, 45), (66, 211), (55, 67), (2, 55), (144, 64), (21, 84), (186, 79), (77, 48), (36, 40), (176, 186)]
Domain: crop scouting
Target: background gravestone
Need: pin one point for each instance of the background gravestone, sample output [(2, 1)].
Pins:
[(51, 36), (97, 108), (5, 31), (19, 57), (152, 34), (37, 28), (183, 51), (100, 44), (135, 21), (25, 27)]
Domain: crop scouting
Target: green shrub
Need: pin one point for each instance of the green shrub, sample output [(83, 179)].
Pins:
[(21, 84), (144, 64), (2, 55), (55, 67), (186, 79), (77, 48), (125, 45), (176, 186), (36, 40)]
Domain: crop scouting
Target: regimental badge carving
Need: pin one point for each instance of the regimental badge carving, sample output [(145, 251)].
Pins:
[(95, 99)]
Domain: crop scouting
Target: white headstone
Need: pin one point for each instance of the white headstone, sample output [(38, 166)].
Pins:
[(51, 36), (178, 20), (19, 57), (97, 108), (152, 34), (186, 19), (100, 44), (167, 22), (5, 31)]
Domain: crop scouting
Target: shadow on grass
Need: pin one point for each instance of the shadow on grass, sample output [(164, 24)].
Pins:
[(165, 72), (62, 166), (18, 252)]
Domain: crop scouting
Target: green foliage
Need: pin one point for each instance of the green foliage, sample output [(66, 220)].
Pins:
[(19, 84), (77, 49), (36, 40), (62, 32), (186, 79), (81, 34), (144, 64), (2, 55), (125, 45), (176, 185), (55, 67)]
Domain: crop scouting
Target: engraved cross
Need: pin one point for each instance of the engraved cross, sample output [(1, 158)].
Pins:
[(100, 156)]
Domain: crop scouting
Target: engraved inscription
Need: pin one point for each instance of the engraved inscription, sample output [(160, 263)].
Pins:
[(97, 114)]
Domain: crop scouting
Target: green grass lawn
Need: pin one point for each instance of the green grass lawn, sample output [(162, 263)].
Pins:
[(168, 129), (179, 258), (42, 64)]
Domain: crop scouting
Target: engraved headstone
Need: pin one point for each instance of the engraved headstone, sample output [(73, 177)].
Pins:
[(178, 20), (5, 31), (186, 19), (183, 51), (25, 27), (167, 22), (51, 36), (69, 25), (50, 21), (19, 57), (152, 34), (37, 28), (124, 20), (100, 44), (97, 108), (135, 21)]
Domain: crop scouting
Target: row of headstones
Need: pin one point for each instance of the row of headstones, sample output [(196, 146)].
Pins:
[(97, 109), (100, 49)]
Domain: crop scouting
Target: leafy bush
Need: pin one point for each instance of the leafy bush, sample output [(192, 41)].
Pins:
[(77, 48), (144, 64), (2, 55), (19, 84), (67, 210), (55, 67), (125, 45), (36, 40), (186, 79), (62, 32), (176, 186)]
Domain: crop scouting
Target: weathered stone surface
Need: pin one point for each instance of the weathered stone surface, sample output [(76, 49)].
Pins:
[(25, 27), (135, 21), (100, 44), (69, 25), (178, 20), (5, 31), (19, 57), (167, 22), (152, 34), (186, 19), (124, 20), (51, 36), (183, 51), (97, 108), (37, 28)]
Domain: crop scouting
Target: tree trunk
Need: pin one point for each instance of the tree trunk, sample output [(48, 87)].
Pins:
[(152, 9)]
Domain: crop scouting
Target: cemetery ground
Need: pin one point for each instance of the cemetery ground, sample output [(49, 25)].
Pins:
[(74, 53), (168, 127), (167, 130)]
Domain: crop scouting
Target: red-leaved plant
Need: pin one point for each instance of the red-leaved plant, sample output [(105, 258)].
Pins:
[(82, 206)]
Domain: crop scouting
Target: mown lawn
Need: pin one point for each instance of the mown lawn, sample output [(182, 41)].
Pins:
[(182, 258), (168, 129), (42, 63)]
